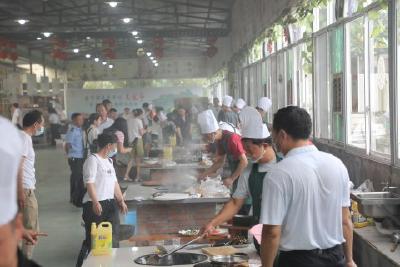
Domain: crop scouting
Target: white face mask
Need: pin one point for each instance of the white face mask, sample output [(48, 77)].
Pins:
[(39, 131), (278, 153), (260, 157), (112, 153)]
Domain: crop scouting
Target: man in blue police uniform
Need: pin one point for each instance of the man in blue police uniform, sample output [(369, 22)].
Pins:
[(75, 150)]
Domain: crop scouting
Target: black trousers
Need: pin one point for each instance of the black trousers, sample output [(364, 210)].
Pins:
[(331, 257), (109, 214), (54, 133), (76, 179)]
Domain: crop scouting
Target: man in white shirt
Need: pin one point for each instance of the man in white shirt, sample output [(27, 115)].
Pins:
[(11, 222), (106, 122), (32, 125), (126, 114), (306, 199), (16, 115), (135, 133)]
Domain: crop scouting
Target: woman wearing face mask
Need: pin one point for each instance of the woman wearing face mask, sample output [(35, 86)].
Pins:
[(120, 129), (228, 145), (104, 196), (258, 145)]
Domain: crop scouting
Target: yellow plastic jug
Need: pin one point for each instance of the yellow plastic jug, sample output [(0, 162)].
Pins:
[(172, 140), (359, 221), (168, 152), (101, 239)]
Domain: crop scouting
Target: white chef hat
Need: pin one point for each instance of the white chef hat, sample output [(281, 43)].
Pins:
[(162, 116), (10, 157), (264, 103), (225, 126), (240, 103), (227, 101), (252, 124), (207, 121)]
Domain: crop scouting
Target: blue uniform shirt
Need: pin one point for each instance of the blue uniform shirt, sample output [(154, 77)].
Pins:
[(74, 137)]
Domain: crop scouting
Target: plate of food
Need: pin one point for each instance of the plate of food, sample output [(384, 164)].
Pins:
[(170, 163), (189, 232), (171, 196), (150, 161)]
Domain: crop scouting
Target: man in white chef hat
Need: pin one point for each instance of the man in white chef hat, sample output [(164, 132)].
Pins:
[(11, 226), (239, 105), (263, 105), (229, 146), (257, 143), (226, 114)]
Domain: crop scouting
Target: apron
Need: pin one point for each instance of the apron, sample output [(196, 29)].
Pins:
[(255, 187), (233, 163)]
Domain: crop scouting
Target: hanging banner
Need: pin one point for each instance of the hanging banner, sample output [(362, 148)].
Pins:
[(85, 100)]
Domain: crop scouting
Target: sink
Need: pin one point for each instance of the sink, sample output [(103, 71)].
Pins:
[(377, 205), (174, 259)]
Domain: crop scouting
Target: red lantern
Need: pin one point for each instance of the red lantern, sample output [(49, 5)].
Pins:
[(212, 51), (158, 41), (107, 51), (11, 44), (13, 56), (159, 52), (211, 40), (269, 47), (109, 42), (3, 54), (286, 34), (3, 42), (63, 56)]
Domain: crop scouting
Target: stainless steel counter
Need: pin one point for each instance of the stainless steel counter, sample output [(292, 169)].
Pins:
[(372, 249), (124, 257), (137, 194)]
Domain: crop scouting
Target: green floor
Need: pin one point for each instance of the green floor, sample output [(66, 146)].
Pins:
[(57, 217)]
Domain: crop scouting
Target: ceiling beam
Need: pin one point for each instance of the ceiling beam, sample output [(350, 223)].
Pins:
[(200, 32)]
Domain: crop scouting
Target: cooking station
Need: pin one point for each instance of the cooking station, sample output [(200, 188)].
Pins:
[(180, 160), (125, 257), (168, 217)]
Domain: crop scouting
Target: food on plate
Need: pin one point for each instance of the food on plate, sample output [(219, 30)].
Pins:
[(189, 232)]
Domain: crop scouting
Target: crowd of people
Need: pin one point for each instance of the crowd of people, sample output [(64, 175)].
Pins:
[(299, 194)]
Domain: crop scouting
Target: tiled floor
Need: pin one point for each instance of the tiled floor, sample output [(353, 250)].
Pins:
[(57, 216)]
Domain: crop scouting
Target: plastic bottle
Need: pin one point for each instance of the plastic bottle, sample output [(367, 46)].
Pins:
[(359, 221), (103, 244)]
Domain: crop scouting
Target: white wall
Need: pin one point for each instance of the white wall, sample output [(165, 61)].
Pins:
[(81, 100), (169, 68)]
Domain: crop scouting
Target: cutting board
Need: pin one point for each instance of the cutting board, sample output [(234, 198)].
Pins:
[(214, 251)]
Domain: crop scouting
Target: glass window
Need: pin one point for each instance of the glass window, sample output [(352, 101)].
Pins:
[(379, 81), (252, 84), (290, 86), (336, 82), (274, 84), (398, 74), (268, 90), (245, 88), (259, 83), (355, 83), (322, 113), (281, 80), (304, 77)]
